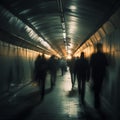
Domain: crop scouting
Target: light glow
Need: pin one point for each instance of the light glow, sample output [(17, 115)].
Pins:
[(73, 7), (34, 36), (67, 83), (64, 35), (69, 57)]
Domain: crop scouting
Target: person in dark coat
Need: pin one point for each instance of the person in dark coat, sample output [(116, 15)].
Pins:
[(53, 67), (71, 65), (41, 71), (98, 63), (82, 71), (63, 65)]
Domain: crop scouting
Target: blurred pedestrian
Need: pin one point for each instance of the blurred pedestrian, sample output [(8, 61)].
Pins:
[(63, 65), (82, 71), (53, 67), (71, 65), (98, 63), (41, 71)]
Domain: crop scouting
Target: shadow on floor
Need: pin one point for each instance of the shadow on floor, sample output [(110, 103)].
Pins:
[(33, 100), (21, 106), (92, 114)]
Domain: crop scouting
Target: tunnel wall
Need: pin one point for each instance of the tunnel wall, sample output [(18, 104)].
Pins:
[(109, 35), (111, 84), (16, 66), (17, 63)]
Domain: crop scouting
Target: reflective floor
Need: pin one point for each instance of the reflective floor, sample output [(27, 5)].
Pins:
[(60, 103)]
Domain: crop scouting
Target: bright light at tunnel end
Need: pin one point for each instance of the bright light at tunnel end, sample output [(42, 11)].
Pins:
[(69, 57)]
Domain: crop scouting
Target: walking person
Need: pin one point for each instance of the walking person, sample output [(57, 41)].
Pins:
[(98, 64), (53, 67), (82, 71), (71, 65), (41, 71), (63, 65)]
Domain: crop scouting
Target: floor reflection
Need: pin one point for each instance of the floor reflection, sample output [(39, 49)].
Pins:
[(60, 103)]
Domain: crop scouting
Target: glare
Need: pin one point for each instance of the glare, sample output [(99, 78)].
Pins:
[(34, 36), (67, 83), (67, 86), (63, 25), (73, 7), (73, 27), (64, 35), (69, 51), (69, 57)]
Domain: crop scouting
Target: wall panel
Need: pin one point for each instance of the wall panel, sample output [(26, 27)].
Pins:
[(16, 66)]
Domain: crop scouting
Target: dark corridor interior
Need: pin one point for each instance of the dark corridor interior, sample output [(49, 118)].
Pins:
[(63, 28), (61, 102)]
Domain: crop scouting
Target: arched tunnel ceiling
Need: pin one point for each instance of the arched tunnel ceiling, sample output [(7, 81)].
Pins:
[(57, 26)]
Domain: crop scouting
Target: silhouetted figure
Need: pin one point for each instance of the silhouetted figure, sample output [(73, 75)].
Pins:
[(98, 63), (71, 65), (41, 71), (53, 67), (63, 65), (82, 71)]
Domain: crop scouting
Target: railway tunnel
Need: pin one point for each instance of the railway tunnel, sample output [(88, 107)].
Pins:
[(63, 28)]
